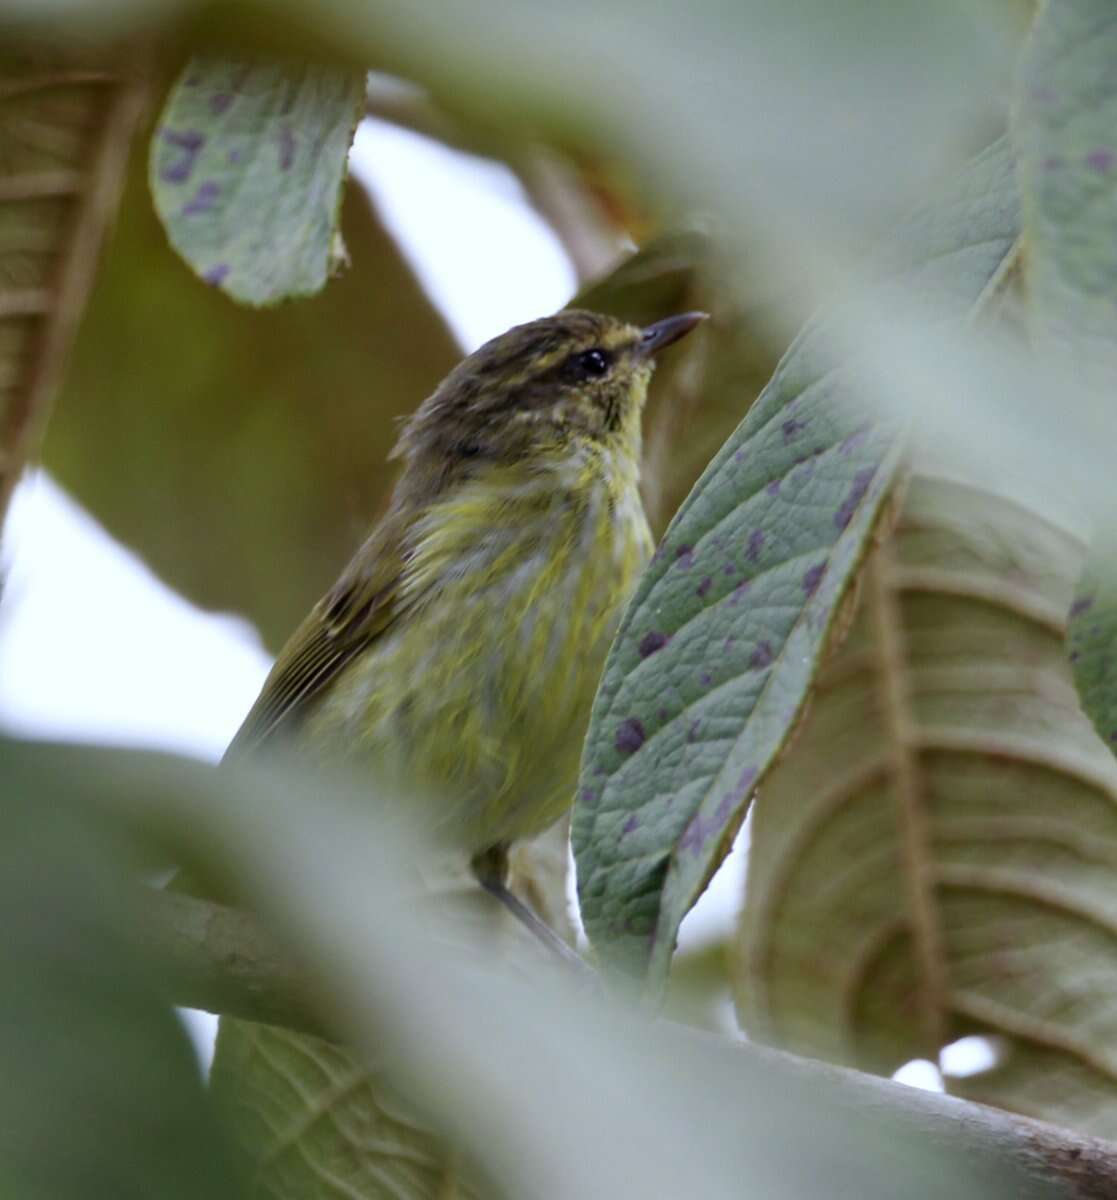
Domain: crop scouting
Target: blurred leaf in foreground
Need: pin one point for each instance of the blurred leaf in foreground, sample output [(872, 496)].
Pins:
[(100, 1093), (1066, 134), (549, 1089), (316, 1122), (720, 645), (821, 115), (934, 856), (806, 125), (248, 163), (248, 448), (1066, 130)]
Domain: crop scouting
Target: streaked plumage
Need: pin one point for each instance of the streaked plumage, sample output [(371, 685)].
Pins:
[(460, 649)]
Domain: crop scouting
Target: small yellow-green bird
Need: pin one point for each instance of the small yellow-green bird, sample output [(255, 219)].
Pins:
[(459, 651)]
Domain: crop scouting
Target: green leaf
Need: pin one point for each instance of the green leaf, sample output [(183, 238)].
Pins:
[(1066, 136), (807, 90), (1066, 131), (719, 647), (795, 124), (1092, 639), (100, 1094), (247, 166), (934, 857), (248, 447), (316, 1122), (531, 1077)]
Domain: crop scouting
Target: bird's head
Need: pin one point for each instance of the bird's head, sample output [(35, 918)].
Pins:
[(539, 387)]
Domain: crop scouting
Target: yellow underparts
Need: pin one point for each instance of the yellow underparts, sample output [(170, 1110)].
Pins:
[(480, 694)]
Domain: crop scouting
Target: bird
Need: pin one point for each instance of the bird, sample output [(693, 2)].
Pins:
[(454, 663), (458, 653)]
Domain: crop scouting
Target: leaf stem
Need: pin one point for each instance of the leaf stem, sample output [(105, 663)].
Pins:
[(902, 741)]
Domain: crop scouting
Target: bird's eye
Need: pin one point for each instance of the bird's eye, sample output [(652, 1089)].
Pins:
[(590, 364)]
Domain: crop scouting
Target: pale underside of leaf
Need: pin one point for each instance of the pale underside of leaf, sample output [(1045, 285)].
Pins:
[(935, 855), (718, 649), (64, 137), (247, 167)]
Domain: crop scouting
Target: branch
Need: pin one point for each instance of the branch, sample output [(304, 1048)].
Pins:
[(220, 960)]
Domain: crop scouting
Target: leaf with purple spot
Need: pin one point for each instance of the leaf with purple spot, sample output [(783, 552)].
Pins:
[(1092, 640), (1065, 130), (629, 736), (1066, 136), (680, 738), (651, 642), (246, 171)]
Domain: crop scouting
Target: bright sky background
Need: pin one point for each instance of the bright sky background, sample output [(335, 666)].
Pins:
[(130, 661)]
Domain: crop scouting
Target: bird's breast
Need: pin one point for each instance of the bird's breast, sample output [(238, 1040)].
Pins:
[(511, 598)]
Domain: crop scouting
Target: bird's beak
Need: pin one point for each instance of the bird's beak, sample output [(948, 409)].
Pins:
[(670, 329)]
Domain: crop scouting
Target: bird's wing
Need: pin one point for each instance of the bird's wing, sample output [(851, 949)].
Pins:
[(357, 610)]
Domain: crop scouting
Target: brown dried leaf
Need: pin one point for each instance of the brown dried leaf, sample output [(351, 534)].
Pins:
[(65, 130)]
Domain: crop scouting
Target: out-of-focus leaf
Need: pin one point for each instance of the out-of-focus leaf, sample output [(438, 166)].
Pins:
[(247, 166), (314, 1119), (791, 108), (1066, 134), (935, 855), (814, 122), (699, 992), (242, 452), (316, 1122), (81, 24), (545, 1086), (1066, 130), (64, 136), (100, 1094), (719, 647)]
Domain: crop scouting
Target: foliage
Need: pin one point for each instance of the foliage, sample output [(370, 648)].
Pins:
[(855, 621), (1068, 163), (101, 1093), (948, 766), (247, 166), (222, 411), (63, 135), (728, 627)]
